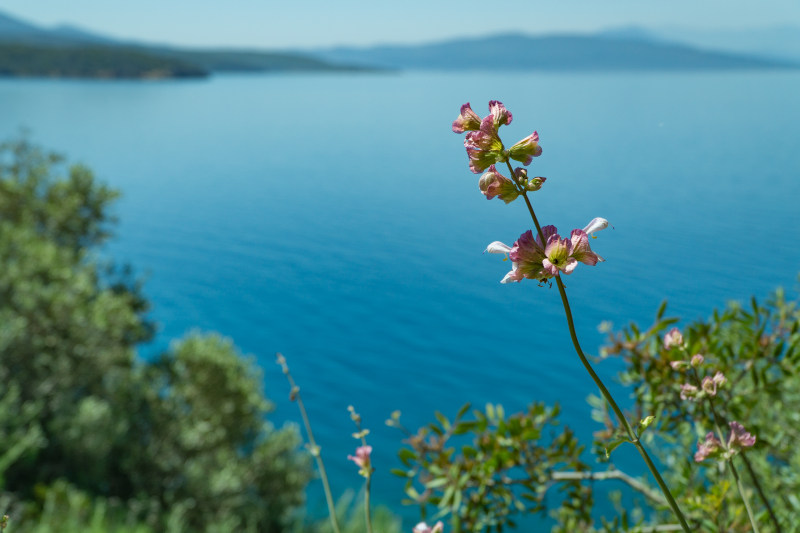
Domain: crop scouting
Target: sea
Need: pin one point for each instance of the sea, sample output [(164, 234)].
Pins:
[(333, 218)]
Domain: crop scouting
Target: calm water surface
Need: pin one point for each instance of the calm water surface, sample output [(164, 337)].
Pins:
[(334, 219)]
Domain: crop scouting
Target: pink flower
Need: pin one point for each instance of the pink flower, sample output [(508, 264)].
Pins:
[(495, 184), (739, 437), (526, 149), (678, 365), (688, 392), (558, 256), (422, 527), (534, 260), (484, 147), (708, 448), (500, 115), (697, 360), (362, 460), (709, 386), (467, 120), (673, 338)]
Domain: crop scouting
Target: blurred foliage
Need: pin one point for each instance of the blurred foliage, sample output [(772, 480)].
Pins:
[(757, 348), (483, 470), (181, 441)]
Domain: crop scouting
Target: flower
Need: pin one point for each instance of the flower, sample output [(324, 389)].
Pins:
[(558, 256), (484, 147), (581, 249), (494, 184), (596, 224), (673, 338), (532, 259), (422, 527), (678, 365), (688, 391), (709, 386), (708, 448), (467, 120), (362, 460), (500, 115), (526, 149), (739, 437), (697, 360)]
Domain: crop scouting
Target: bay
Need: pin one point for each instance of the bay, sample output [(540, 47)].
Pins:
[(333, 218)]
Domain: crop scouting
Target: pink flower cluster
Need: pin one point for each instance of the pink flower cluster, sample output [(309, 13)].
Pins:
[(483, 144), (712, 447), (534, 259)]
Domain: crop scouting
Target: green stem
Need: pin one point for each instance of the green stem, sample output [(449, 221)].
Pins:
[(315, 450), (742, 494), (366, 504), (760, 491), (634, 439)]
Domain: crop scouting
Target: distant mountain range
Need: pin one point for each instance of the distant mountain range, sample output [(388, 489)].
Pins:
[(30, 50)]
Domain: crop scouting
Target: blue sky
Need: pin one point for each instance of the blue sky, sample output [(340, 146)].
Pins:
[(312, 23)]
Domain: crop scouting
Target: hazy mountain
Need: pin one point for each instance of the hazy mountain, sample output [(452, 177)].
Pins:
[(782, 42), (625, 49)]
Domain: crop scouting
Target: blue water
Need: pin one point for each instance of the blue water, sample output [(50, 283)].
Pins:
[(333, 218)]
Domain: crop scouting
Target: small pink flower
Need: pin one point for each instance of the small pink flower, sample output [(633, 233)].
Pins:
[(708, 448), (422, 527), (500, 115), (467, 120), (362, 460), (526, 149), (719, 379), (484, 147), (739, 437), (688, 392), (492, 184), (709, 386), (697, 360), (673, 338), (678, 365)]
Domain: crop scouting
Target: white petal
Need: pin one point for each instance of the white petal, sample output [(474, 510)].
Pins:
[(497, 247), (596, 224)]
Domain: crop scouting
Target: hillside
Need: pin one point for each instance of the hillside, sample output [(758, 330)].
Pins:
[(555, 53)]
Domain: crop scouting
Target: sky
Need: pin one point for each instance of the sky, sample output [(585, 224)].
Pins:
[(319, 23)]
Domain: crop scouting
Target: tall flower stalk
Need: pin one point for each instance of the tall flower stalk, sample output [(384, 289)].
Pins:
[(313, 447), (547, 255)]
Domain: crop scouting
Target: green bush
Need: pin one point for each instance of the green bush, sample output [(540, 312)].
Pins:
[(183, 438)]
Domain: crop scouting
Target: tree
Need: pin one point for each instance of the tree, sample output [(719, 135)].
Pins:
[(187, 432)]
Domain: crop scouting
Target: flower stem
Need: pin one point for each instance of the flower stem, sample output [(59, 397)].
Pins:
[(717, 424), (632, 437), (315, 450), (760, 491)]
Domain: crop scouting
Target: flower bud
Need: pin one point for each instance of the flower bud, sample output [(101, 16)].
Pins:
[(673, 338), (492, 184)]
